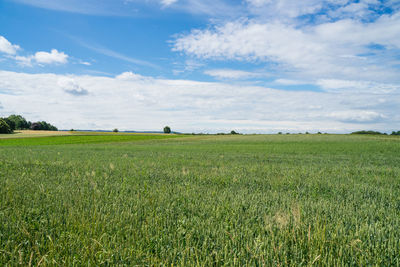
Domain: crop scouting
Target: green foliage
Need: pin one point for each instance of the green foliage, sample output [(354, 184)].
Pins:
[(42, 125), (368, 132), (10, 123), (20, 122), (273, 200), (4, 127), (233, 132), (167, 129), (115, 130), (395, 133)]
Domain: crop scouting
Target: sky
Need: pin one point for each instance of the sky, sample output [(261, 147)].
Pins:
[(253, 66)]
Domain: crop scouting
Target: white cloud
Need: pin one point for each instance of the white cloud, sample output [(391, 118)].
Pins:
[(363, 116), (134, 102), (291, 82), (70, 86), (259, 3), (43, 58), (284, 8), (168, 2), (51, 58), (188, 66), (335, 85), (231, 74), (320, 10), (129, 76), (317, 51), (85, 63), (7, 47)]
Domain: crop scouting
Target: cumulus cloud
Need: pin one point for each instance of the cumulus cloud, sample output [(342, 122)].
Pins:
[(70, 86), (134, 102), (329, 49), (231, 74), (43, 58), (7, 47), (40, 57), (129, 76)]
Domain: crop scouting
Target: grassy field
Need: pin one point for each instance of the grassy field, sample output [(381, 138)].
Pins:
[(81, 138), (278, 200)]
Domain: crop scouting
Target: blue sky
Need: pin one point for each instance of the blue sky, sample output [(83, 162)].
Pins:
[(253, 65)]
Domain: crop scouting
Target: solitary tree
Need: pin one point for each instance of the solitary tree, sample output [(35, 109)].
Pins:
[(4, 127), (115, 130), (167, 130)]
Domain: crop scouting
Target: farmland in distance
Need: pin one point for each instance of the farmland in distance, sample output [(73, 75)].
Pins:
[(200, 200)]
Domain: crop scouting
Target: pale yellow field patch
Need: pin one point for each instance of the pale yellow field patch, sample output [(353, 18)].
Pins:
[(30, 133)]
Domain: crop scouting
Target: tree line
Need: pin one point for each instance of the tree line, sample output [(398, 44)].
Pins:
[(375, 133), (17, 122)]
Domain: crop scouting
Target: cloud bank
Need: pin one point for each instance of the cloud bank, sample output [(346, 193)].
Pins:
[(134, 102)]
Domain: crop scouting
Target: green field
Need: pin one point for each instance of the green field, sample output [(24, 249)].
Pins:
[(80, 139), (275, 200)]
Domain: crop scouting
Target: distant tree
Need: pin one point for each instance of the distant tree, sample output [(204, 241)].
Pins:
[(19, 121), (167, 129), (72, 130), (4, 127), (307, 133), (319, 133), (367, 132), (233, 132), (36, 126), (42, 125), (115, 130), (279, 132), (10, 123)]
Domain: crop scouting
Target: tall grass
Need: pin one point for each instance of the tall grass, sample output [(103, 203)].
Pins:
[(227, 200)]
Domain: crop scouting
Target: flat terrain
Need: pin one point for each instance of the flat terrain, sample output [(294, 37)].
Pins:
[(51, 138), (30, 133), (204, 200)]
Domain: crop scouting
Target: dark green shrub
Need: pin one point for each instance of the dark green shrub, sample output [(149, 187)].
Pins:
[(4, 127), (167, 129)]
